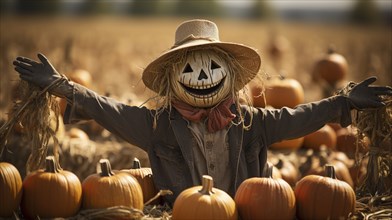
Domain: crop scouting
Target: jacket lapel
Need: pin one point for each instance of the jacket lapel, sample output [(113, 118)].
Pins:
[(185, 140), (235, 143)]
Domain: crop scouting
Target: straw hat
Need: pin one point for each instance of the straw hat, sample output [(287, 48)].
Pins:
[(202, 33)]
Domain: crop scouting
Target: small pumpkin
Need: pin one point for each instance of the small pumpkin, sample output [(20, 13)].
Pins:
[(82, 77), (315, 164), (324, 197), (10, 189), (78, 133), (51, 193), (204, 202), (107, 188), (331, 68), (144, 177), (265, 198), (325, 136), (347, 141), (288, 171)]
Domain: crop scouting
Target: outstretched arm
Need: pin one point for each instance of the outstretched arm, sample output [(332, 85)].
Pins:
[(287, 123), (133, 124), (42, 75)]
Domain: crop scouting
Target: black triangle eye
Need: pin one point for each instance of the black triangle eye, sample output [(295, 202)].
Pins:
[(187, 69), (214, 65)]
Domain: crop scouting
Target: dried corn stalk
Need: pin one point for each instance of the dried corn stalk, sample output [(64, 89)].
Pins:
[(38, 112), (376, 124)]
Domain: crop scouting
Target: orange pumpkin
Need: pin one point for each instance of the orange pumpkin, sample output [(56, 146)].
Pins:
[(347, 140), (279, 92), (144, 177), (341, 171), (331, 68), (10, 189), (78, 134), (265, 198), (288, 171), (106, 189), (82, 77), (51, 193), (204, 202), (320, 197), (324, 136)]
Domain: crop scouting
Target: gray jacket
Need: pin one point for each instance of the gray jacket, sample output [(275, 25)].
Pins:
[(169, 145)]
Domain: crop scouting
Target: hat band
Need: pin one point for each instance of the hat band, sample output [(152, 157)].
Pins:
[(192, 38)]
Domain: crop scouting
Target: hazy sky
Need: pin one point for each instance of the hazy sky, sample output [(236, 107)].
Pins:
[(308, 4)]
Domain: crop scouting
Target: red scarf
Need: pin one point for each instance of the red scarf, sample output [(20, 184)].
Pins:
[(218, 116)]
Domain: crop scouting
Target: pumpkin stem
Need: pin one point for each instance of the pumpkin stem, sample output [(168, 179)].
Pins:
[(106, 169), (50, 165), (136, 164), (207, 184), (330, 171), (268, 170)]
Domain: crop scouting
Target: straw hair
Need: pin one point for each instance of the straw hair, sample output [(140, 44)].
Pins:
[(201, 34)]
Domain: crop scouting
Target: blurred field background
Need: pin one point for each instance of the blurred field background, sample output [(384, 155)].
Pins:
[(115, 40)]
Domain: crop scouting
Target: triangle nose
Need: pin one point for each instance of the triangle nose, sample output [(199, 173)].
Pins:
[(202, 75)]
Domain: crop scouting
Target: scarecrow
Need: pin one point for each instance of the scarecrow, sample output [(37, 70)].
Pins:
[(201, 127)]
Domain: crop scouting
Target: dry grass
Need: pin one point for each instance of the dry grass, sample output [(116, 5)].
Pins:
[(37, 112)]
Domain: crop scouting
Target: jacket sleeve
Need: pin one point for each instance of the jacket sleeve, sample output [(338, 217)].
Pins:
[(133, 124), (286, 123)]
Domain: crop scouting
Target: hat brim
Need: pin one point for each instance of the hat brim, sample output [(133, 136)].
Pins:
[(246, 56)]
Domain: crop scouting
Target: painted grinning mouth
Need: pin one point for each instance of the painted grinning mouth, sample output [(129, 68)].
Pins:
[(204, 91)]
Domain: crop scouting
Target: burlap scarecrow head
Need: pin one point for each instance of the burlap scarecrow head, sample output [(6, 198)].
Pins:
[(199, 69)]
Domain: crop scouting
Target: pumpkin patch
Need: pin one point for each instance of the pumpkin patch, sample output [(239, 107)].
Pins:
[(360, 154)]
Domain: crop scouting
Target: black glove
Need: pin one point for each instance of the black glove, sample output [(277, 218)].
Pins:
[(363, 95), (42, 74)]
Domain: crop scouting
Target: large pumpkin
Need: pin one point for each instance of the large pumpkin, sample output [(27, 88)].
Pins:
[(265, 198), (204, 202), (10, 189), (106, 189), (51, 193), (144, 177), (324, 197), (279, 92)]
